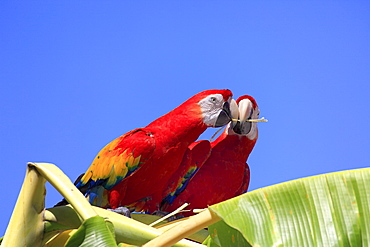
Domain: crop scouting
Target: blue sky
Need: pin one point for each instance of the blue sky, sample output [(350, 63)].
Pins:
[(76, 75)]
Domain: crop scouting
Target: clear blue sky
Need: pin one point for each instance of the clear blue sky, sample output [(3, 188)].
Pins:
[(76, 75)]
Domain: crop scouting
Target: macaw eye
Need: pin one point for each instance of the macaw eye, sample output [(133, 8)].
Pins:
[(258, 113), (213, 99)]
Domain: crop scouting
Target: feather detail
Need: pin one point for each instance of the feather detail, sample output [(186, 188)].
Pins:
[(181, 185), (135, 167), (223, 175), (111, 165), (194, 158)]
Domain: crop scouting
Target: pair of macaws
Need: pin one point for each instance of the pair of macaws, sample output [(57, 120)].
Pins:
[(159, 167)]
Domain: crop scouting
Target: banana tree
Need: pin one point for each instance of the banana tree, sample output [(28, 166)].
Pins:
[(325, 210), (79, 224)]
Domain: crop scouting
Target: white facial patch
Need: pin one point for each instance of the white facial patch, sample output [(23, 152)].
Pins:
[(245, 110), (211, 107), (234, 109)]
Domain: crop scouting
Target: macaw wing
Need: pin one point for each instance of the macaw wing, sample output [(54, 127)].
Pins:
[(246, 180), (195, 156), (119, 159)]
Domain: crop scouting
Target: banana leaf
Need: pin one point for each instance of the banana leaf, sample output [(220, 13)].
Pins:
[(79, 224), (94, 231), (325, 210)]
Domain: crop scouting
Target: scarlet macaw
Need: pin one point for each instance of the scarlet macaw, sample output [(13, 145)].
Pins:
[(222, 172), (133, 169)]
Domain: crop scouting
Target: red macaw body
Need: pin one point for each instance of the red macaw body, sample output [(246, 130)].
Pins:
[(194, 158), (133, 169), (225, 174)]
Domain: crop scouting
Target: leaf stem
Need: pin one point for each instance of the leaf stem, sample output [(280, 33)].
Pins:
[(184, 229)]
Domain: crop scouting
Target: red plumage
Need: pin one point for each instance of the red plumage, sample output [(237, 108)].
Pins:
[(133, 169), (225, 174)]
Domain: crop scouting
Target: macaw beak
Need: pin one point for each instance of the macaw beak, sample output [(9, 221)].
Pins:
[(242, 126), (229, 109)]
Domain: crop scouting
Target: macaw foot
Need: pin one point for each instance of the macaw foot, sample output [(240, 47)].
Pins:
[(175, 217), (121, 210), (160, 213)]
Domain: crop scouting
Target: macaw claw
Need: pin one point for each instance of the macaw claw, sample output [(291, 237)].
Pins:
[(121, 210)]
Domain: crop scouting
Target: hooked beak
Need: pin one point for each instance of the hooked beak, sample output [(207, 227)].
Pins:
[(242, 126), (229, 109)]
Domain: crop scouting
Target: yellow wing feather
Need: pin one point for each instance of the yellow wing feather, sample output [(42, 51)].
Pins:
[(112, 164), (120, 158)]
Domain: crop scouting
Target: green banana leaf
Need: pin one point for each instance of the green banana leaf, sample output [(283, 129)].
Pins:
[(78, 224), (326, 210), (64, 220), (94, 231), (227, 237)]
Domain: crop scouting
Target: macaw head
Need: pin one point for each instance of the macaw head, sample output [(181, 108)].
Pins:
[(215, 107), (248, 109), (210, 108)]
